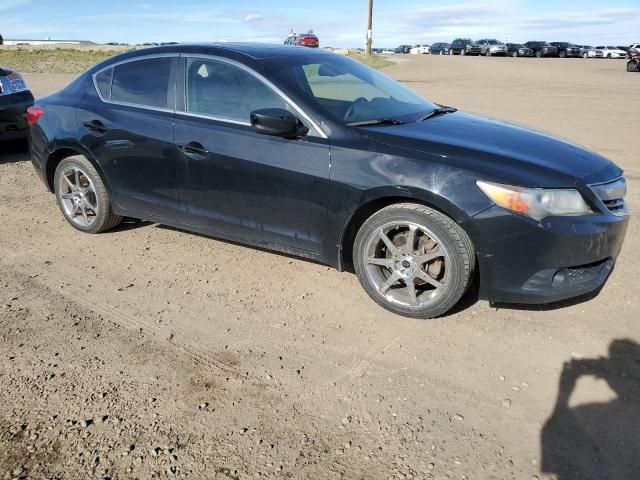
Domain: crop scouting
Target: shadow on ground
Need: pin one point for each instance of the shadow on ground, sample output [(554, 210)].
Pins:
[(14, 151), (596, 441)]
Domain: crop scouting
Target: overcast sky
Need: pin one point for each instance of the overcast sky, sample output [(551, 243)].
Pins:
[(340, 23)]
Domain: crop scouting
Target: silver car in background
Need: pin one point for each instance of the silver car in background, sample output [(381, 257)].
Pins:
[(587, 51), (490, 47)]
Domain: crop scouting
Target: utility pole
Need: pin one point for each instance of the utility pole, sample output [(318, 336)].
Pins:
[(370, 29)]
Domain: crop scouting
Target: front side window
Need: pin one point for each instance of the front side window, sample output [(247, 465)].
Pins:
[(141, 82), (221, 90)]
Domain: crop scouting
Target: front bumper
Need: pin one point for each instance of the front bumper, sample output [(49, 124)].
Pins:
[(524, 261), (13, 124)]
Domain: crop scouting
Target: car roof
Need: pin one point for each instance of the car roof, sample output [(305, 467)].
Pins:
[(256, 51)]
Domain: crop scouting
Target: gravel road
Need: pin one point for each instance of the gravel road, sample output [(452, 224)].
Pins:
[(148, 352)]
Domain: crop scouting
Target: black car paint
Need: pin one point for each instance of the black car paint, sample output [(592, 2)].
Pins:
[(439, 48), (542, 49), (13, 124), (464, 46), (521, 50), (305, 195), (566, 49)]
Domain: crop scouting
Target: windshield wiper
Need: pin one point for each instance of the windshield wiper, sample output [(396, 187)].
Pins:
[(376, 121), (437, 112)]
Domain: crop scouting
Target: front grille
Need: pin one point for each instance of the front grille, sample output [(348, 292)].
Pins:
[(612, 195)]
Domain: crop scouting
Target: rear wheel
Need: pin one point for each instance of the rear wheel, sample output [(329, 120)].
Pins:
[(82, 196), (584, 55), (539, 54), (413, 260), (562, 54), (632, 66)]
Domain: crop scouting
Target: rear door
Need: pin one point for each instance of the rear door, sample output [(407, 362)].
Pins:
[(126, 121)]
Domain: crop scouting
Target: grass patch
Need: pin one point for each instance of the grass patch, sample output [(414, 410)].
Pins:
[(71, 60), (375, 61), (58, 60)]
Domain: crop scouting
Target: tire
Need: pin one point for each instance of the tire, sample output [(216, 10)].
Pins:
[(562, 54), (632, 66), (488, 53), (463, 52), (82, 196), (584, 55), (451, 52), (539, 54), (609, 55), (439, 264), (515, 54)]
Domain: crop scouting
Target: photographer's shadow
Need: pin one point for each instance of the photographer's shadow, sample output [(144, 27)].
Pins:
[(598, 440)]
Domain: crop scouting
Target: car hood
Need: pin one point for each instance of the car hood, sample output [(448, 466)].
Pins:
[(495, 149)]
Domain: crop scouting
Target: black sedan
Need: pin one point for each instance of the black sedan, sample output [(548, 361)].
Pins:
[(440, 48), (519, 50), (542, 49), (317, 155), (15, 98), (567, 50)]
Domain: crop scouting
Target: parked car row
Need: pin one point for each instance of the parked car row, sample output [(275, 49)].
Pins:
[(493, 47)]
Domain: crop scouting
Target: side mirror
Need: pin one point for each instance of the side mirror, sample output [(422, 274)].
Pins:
[(277, 122)]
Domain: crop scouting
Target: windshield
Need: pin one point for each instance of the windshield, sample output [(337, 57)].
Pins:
[(493, 42), (348, 90)]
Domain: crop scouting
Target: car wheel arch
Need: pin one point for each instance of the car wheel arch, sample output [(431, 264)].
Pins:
[(59, 153), (380, 201)]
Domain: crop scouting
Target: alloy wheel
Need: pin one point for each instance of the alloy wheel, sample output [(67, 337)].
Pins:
[(407, 264), (78, 196)]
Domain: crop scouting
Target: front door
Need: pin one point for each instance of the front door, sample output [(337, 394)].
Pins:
[(255, 188)]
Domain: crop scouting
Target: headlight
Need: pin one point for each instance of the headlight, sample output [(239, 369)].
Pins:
[(536, 203)]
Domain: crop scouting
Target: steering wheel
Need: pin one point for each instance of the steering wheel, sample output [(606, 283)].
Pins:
[(351, 109)]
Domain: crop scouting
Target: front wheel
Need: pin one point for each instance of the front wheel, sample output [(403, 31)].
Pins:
[(413, 260), (488, 53), (82, 196), (539, 54), (514, 54), (463, 52)]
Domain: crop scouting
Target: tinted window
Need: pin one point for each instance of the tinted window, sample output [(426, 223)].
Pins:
[(347, 89), (222, 90), (103, 82), (142, 82)]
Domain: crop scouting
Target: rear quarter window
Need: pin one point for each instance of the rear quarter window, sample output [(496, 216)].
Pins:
[(103, 83)]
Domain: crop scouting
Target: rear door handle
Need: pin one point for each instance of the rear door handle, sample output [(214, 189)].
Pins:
[(194, 150), (95, 126)]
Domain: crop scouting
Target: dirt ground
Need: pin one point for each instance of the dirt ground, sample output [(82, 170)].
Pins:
[(149, 352)]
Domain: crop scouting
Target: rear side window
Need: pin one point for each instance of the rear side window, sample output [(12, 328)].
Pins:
[(221, 90), (142, 82)]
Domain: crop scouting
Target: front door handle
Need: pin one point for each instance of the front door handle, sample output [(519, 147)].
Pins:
[(194, 150), (95, 126)]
